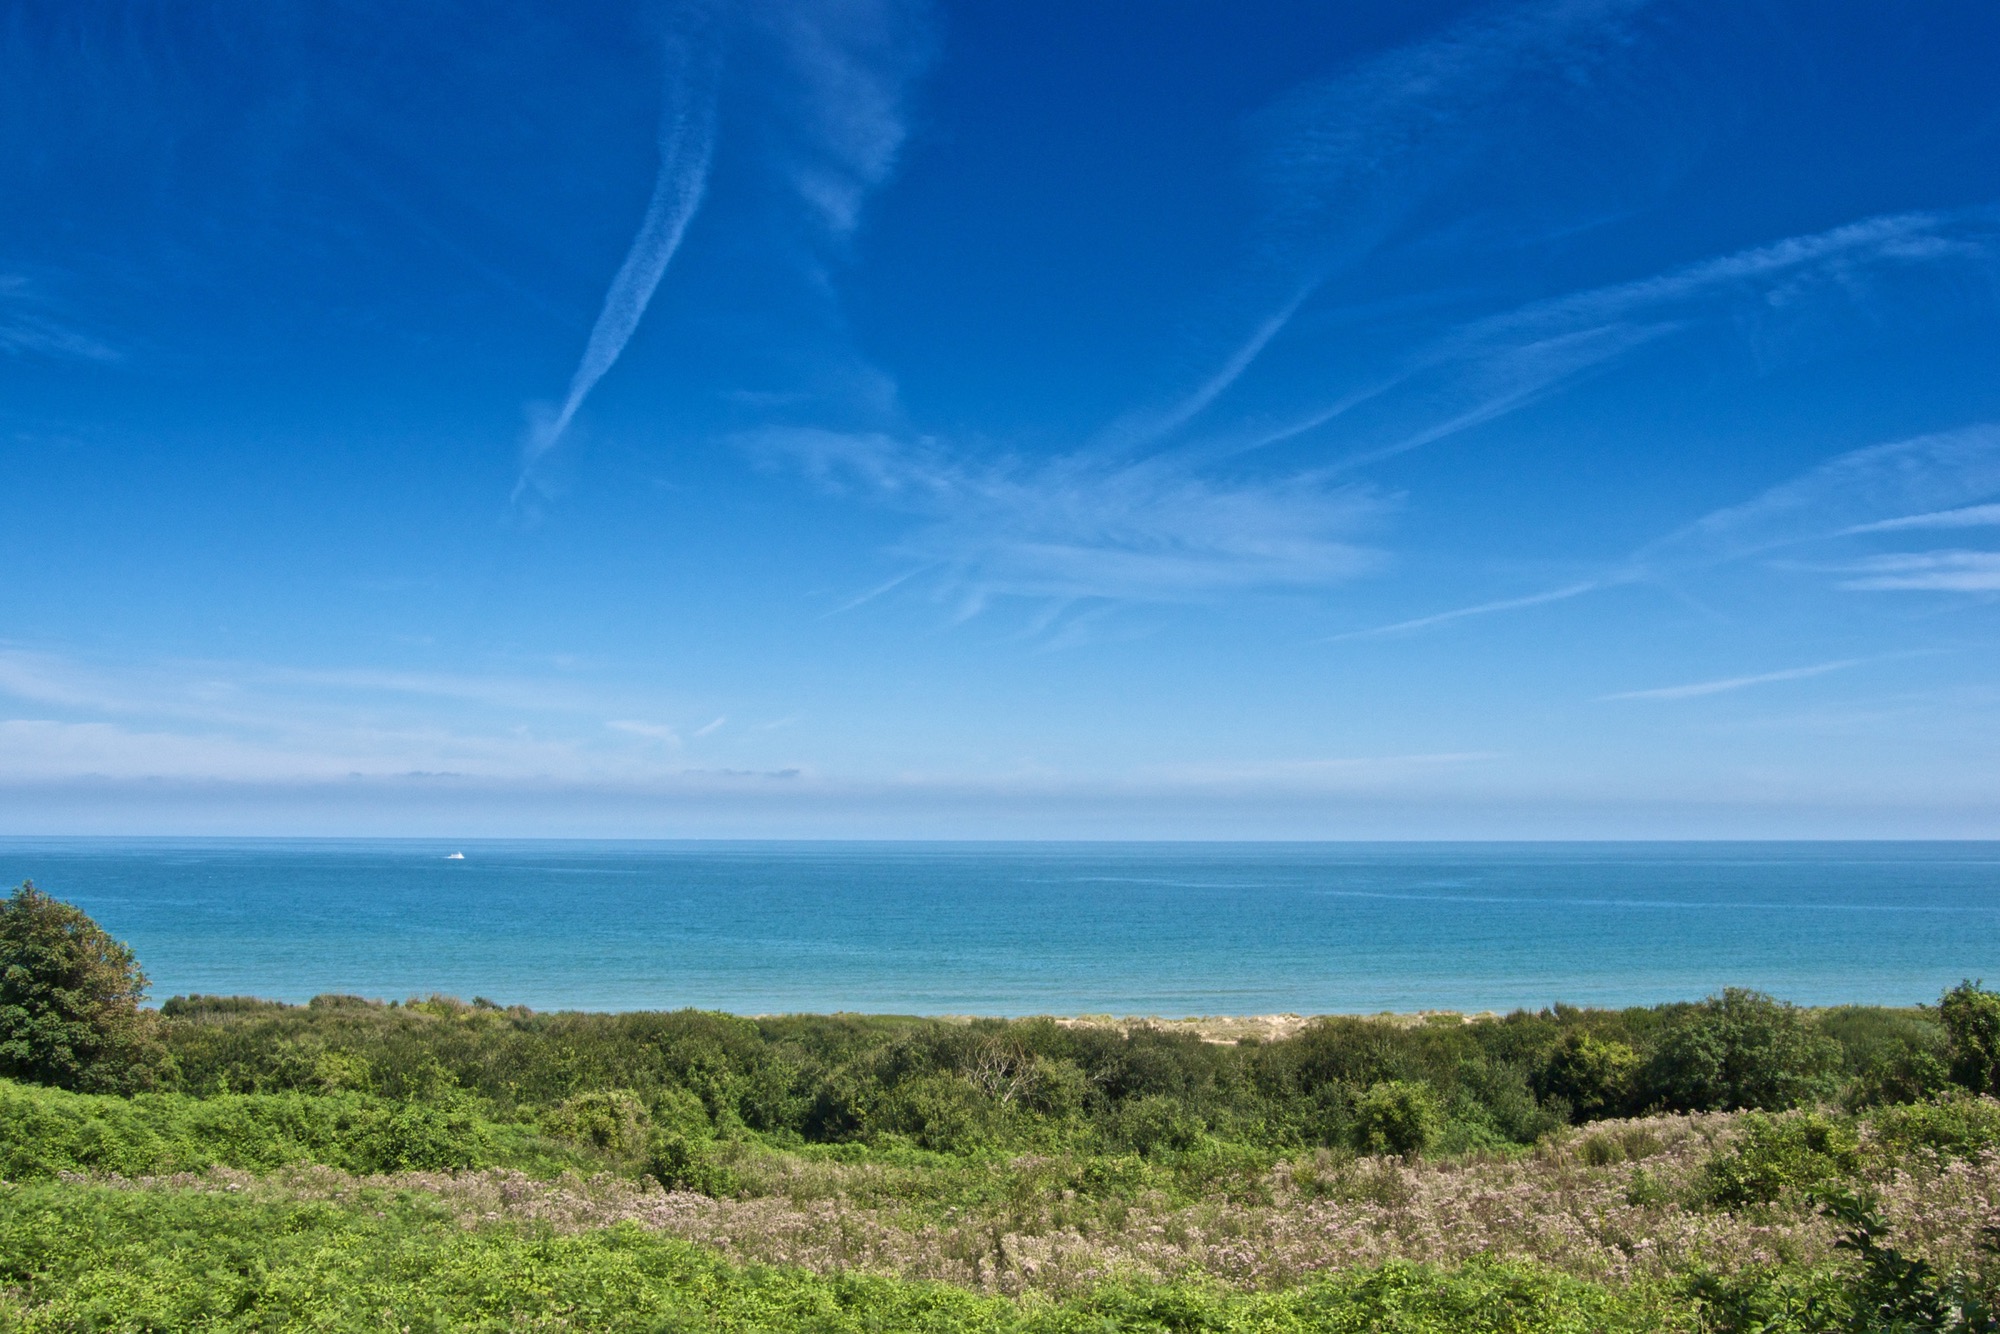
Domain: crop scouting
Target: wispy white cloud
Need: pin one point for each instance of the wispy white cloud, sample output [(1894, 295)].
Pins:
[(830, 80), (1927, 571), (1925, 474), (849, 64), (1842, 260), (30, 325), (1562, 594), (284, 749), (69, 718), (1163, 528), (1968, 516), (1933, 475), (44, 678), (1488, 368), (1501, 380), (1144, 428), (1350, 157), (1080, 527), (1725, 685), (532, 693), (686, 143), (39, 749), (1496, 365), (710, 728)]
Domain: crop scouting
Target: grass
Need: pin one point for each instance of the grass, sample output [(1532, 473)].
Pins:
[(47, 1132), (91, 1258), (1625, 1204)]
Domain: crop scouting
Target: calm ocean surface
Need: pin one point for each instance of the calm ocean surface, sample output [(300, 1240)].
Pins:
[(1166, 929)]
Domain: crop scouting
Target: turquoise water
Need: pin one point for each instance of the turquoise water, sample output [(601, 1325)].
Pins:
[(1166, 929)]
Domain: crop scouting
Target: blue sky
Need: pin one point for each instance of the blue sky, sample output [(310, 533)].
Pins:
[(861, 418)]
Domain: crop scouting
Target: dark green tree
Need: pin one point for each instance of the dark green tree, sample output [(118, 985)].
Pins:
[(69, 1000), (1594, 1077), (1740, 1049), (1971, 1018), (1396, 1116)]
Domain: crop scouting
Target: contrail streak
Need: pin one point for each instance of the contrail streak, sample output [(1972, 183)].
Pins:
[(687, 140)]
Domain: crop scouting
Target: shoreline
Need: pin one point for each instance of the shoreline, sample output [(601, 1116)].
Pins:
[(1225, 1029)]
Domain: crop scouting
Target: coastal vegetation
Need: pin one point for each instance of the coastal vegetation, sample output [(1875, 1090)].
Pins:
[(1730, 1164)]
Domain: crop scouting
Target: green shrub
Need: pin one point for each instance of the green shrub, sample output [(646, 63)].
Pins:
[(1890, 1056), (1741, 1049), (187, 1007), (683, 1162), (1603, 1147), (1893, 1292), (938, 1111), (1956, 1127), (1396, 1116), (998, 1086), (1155, 1125), (69, 1000), (1594, 1078), (1773, 1156), (1971, 1018), (680, 1148), (613, 1122), (44, 1132)]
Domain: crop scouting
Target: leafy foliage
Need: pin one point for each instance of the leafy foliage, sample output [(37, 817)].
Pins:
[(89, 1258), (1040, 1086), (1741, 1049), (1971, 1019), (1774, 1155), (69, 1000), (1894, 1292), (961, 1139), (1941, 1130), (1890, 1056), (1396, 1116), (45, 1132), (1593, 1077)]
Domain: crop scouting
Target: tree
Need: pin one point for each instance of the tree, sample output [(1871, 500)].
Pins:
[(1740, 1049), (69, 1000), (1593, 1077), (1971, 1018), (1396, 1116)]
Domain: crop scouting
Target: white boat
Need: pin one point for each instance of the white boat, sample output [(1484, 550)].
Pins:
[(454, 856)]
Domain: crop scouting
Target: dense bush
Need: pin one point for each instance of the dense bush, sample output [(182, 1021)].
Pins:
[(601, 1081), (1951, 1127), (1740, 1049), (45, 1132), (69, 1000), (1592, 1078), (614, 1123), (1398, 1117), (1893, 1292), (1971, 1019), (1775, 1155)]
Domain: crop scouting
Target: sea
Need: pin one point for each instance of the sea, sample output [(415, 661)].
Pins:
[(1161, 929)]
